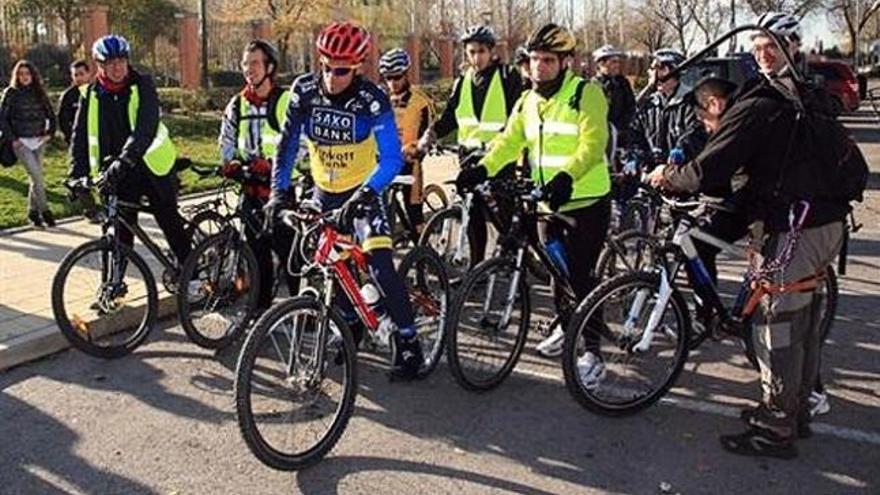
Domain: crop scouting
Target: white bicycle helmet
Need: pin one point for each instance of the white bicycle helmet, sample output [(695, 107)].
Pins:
[(606, 51), (394, 61), (479, 34), (668, 56), (781, 24)]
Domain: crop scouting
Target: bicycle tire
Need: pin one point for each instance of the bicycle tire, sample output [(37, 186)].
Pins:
[(254, 439), (606, 265), (455, 349), (190, 271), (422, 297), (582, 317), (195, 227), (63, 320), (433, 237)]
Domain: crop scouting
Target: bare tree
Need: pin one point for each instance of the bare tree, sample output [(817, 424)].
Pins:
[(677, 15), (711, 17), (646, 31), (854, 15), (799, 8)]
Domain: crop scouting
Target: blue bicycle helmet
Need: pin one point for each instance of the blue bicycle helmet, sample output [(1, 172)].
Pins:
[(110, 47)]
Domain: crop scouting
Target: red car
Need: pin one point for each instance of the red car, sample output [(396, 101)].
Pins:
[(839, 79)]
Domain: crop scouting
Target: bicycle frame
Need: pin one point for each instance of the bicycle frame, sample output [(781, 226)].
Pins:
[(113, 221)]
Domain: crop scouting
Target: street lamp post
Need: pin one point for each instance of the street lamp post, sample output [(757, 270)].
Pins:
[(203, 35)]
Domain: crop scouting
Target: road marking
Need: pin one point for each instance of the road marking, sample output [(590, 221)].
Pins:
[(681, 402)]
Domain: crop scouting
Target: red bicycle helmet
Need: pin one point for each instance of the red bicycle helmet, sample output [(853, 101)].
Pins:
[(344, 41)]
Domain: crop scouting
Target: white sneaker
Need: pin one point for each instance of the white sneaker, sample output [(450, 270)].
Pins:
[(819, 404), (552, 345), (591, 370)]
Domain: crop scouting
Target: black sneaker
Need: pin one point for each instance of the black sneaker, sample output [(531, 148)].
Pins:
[(49, 218), (35, 219), (803, 427), (408, 358), (759, 443)]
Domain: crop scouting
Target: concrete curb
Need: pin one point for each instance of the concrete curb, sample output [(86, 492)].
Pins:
[(46, 341)]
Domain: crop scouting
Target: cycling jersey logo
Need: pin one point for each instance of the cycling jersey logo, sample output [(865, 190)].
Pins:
[(332, 126)]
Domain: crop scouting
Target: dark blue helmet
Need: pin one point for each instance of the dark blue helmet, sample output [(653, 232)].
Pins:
[(110, 47)]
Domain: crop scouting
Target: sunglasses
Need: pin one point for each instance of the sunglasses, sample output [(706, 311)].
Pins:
[(396, 77), (338, 71)]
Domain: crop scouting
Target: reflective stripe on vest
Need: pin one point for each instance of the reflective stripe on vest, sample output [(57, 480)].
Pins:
[(552, 133), (159, 157), (269, 137), (473, 132)]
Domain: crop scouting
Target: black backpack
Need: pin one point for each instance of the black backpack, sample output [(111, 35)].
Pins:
[(824, 161)]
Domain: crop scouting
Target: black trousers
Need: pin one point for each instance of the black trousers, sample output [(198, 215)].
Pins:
[(262, 245), (162, 194)]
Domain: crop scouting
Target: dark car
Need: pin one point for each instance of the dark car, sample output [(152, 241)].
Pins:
[(737, 68), (840, 81)]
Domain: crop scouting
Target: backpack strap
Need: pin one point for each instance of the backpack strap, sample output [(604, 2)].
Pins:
[(575, 101)]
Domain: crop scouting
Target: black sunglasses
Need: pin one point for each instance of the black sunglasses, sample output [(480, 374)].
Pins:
[(396, 77), (338, 71)]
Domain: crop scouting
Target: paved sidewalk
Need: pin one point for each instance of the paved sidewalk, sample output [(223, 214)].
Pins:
[(29, 259)]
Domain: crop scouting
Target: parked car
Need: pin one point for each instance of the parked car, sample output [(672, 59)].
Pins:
[(840, 81)]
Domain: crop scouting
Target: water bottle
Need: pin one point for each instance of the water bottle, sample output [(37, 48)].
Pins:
[(556, 251), (676, 156), (371, 296)]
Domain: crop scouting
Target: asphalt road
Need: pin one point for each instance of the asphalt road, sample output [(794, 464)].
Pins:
[(162, 420)]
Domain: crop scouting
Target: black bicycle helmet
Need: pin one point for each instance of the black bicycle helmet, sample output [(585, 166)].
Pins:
[(479, 34), (551, 38)]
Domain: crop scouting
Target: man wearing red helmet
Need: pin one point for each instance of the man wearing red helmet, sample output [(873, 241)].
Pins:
[(347, 121)]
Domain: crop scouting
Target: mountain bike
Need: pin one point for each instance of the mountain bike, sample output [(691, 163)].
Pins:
[(104, 294), (296, 379), (489, 320), (629, 339), (403, 229)]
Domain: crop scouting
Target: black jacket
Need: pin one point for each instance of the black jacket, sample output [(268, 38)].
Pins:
[(662, 123), (25, 113), (115, 136), (621, 104), (67, 106), (510, 80), (755, 133)]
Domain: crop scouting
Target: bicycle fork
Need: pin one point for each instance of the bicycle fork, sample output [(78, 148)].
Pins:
[(663, 295), (510, 298)]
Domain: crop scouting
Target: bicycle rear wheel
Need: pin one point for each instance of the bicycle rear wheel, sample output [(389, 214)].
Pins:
[(295, 384), (488, 324), (606, 368), (425, 278), (628, 251), (218, 293), (104, 299)]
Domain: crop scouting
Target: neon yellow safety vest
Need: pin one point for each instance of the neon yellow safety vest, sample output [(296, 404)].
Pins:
[(161, 154), (552, 133), (269, 137), (473, 132)]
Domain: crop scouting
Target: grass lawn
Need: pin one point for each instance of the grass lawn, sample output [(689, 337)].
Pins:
[(195, 137)]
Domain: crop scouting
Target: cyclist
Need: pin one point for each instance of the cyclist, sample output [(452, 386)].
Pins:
[(618, 90), (755, 132), (665, 118), (118, 117), (521, 61), (563, 123), (348, 120), (481, 101), (413, 113), (249, 134)]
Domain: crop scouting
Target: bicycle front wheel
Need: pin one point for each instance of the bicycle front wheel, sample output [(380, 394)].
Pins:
[(488, 324), (104, 299), (295, 384), (425, 278), (218, 293), (611, 366), (445, 235)]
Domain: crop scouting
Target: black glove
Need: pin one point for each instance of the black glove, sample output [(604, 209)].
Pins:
[(470, 177), (278, 200), (557, 192), (352, 208), (114, 173)]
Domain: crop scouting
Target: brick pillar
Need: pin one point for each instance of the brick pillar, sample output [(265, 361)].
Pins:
[(414, 48), (316, 59), (447, 60), (188, 47), (370, 67), (94, 25), (503, 51), (261, 29)]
